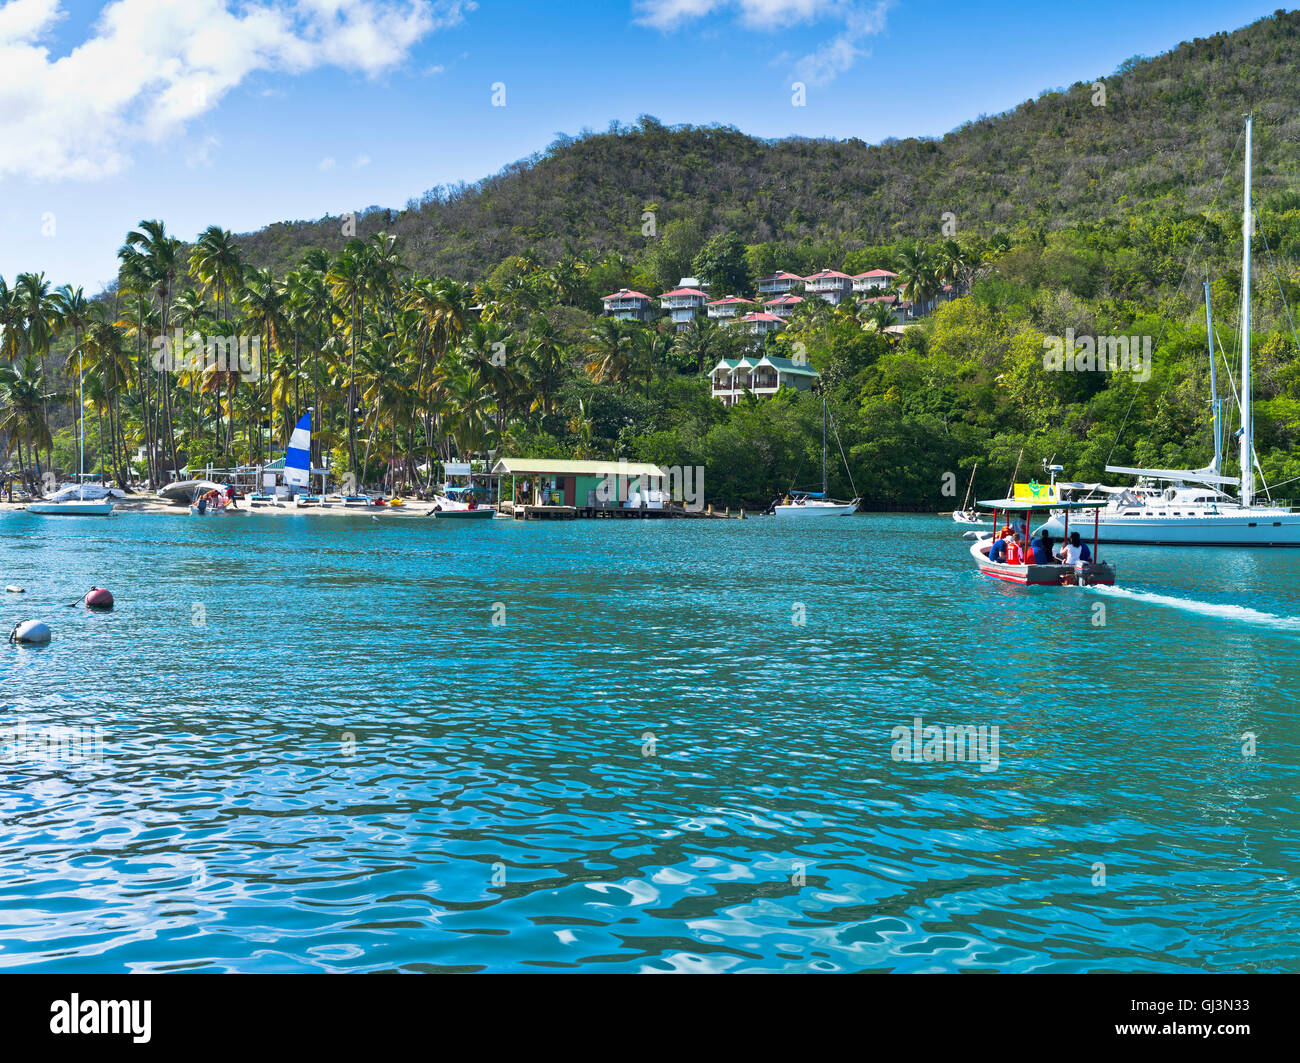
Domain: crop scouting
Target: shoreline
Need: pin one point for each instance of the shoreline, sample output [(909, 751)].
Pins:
[(161, 506)]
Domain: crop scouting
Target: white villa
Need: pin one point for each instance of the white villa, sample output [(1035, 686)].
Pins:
[(783, 305), (759, 376), (683, 304), (831, 285), (779, 283), (761, 323), (628, 305), (873, 280), (728, 307)]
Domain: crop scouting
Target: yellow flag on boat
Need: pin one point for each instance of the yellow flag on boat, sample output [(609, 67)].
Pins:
[(1033, 491)]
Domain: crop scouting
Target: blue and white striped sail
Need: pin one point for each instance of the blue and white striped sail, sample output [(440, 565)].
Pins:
[(297, 459)]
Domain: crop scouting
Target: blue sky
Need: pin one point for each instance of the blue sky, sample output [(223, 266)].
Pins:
[(241, 114)]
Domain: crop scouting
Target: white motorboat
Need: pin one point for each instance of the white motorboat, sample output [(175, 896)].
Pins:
[(72, 508), (1188, 507), (817, 503)]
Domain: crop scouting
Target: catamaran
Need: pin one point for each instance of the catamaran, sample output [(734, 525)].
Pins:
[(1188, 507), (100, 504), (814, 503)]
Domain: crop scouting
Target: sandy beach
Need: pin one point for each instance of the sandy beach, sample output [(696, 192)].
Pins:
[(151, 504)]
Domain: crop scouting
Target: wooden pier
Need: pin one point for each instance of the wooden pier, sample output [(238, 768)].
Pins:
[(524, 511)]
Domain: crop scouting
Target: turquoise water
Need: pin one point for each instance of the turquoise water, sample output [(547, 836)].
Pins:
[(351, 745)]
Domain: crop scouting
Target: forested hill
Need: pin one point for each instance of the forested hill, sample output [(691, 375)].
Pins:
[(1163, 135)]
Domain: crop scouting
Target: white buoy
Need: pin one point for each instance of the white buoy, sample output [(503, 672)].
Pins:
[(13, 588), (31, 632)]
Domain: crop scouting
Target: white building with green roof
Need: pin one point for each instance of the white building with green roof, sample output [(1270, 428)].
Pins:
[(759, 375)]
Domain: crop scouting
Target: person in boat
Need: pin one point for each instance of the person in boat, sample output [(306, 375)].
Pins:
[(1015, 550), (1042, 547), (998, 549), (1075, 553), (1085, 554)]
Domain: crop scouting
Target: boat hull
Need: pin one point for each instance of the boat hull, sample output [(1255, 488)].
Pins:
[(1262, 528), (1093, 573), (483, 513), (815, 509), (71, 509)]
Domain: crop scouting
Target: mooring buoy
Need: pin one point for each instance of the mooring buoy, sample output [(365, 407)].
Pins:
[(31, 632)]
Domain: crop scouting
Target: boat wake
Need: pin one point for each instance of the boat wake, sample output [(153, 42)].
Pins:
[(1238, 613)]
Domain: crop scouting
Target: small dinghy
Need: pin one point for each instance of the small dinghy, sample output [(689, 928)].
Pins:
[(446, 507)]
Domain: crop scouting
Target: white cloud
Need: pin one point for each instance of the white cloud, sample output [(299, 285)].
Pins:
[(360, 161), (326, 163), (149, 67), (432, 71), (859, 18), (202, 155), (757, 14), (843, 50)]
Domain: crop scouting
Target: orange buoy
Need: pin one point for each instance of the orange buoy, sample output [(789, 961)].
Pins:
[(99, 598)]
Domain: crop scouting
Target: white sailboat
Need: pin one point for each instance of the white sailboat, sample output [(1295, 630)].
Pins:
[(1188, 507), (812, 503), (80, 506)]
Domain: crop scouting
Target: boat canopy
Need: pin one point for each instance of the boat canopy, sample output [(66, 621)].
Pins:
[(1199, 476), (1023, 505)]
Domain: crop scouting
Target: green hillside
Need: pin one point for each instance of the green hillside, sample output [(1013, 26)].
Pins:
[(1162, 138)]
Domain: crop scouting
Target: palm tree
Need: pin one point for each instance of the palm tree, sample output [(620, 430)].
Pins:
[(650, 349), (159, 264), (262, 300), (700, 342), (24, 399), (10, 323), (73, 310), (348, 279), (39, 312), (217, 264), (610, 349), (918, 277), (544, 356), (103, 356)]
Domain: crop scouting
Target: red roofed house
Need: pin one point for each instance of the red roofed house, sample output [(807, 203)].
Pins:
[(779, 283), (728, 307), (683, 304), (873, 279), (783, 305), (830, 284), (628, 305), (761, 323)]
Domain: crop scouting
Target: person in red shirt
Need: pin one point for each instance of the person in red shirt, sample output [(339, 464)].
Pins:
[(1015, 554)]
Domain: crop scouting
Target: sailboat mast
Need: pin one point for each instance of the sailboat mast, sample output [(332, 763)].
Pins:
[(824, 494), (81, 431), (1247, 443), (1214, 391)]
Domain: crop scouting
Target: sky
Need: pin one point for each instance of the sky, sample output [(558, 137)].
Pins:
[(245, 112)]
